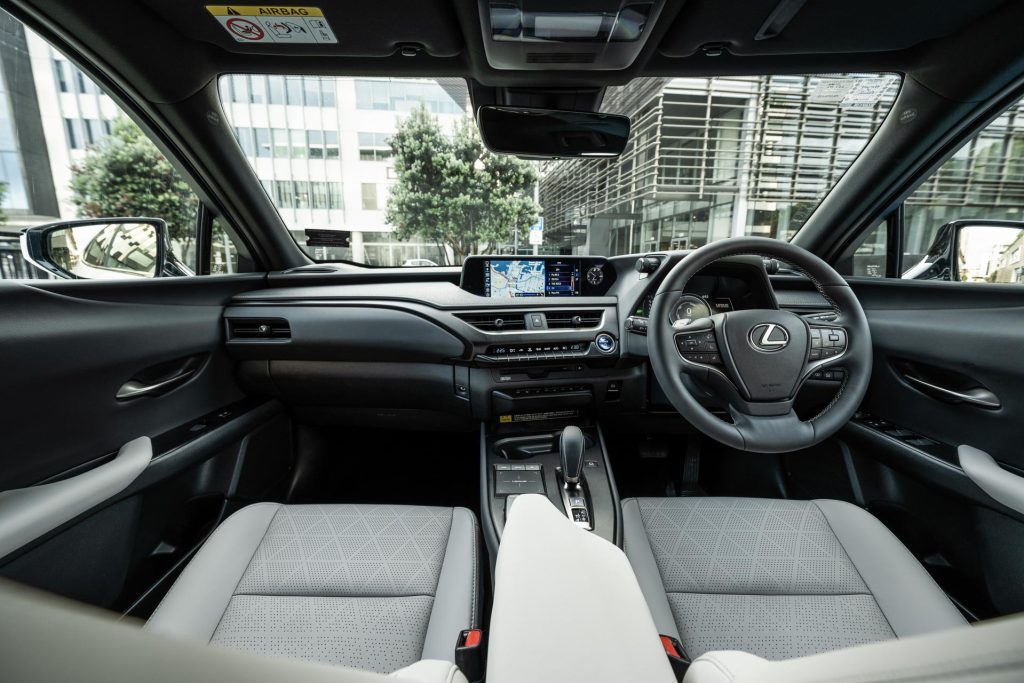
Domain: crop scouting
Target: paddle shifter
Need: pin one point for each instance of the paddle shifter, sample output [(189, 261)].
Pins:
[(571, 446)]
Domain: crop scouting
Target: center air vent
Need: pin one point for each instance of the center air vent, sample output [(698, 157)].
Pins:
[(258, 329), (573, 319), (495, 322), (560, 57)]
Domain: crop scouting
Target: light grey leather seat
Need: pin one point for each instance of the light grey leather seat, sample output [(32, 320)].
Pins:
[(372, 587), (777, 578)]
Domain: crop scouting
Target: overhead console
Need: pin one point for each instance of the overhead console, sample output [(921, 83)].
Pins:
[(514, 277), (549, 34)]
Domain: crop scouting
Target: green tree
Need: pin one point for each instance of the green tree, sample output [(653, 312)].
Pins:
[(452, 192), (126, 175), (3, 196)]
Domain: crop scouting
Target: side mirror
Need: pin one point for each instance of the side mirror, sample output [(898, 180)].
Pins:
[(102, 249), (973, 251)]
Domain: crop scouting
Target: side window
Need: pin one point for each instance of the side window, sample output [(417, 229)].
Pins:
[(867, 258), (68, 152), (965, 221)]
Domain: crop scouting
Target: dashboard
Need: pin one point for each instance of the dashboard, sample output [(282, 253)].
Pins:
[(521, 338)]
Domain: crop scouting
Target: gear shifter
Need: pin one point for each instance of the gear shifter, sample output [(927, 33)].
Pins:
[(571, 446)]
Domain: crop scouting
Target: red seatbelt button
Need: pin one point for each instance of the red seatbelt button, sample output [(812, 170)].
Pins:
[(472, 638)]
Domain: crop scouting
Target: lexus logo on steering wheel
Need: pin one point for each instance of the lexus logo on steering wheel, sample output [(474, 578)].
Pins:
[(769, 337)]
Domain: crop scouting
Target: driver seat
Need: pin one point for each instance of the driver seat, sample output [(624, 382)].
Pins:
[(777, 578)]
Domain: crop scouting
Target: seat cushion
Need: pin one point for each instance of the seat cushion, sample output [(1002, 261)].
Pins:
[(373, 587), (777, 578)]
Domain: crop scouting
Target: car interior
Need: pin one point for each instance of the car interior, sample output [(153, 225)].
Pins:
[(779, 455)]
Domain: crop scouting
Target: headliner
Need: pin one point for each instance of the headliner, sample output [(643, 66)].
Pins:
[(170, 49)]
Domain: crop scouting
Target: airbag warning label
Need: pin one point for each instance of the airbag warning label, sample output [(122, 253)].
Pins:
[(273, 23)]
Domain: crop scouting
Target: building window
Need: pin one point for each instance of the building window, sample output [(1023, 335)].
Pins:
[(262, 136), (93, 130), (390, 95), (298, 143), (303, 194), (245, 141), (280, 137), (331, 144), (73, 128), (293, 89), (239, 88), (369, 196), (329, 97), (315, 143), (374, 147), (62, 70), (257, 89), (311, 92), (275, 89)]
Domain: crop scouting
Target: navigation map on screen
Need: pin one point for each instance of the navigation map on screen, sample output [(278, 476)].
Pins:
[(514, 277)]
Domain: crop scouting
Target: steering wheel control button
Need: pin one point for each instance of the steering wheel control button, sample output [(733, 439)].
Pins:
[(605, 343), (699, 347), (827, 342)]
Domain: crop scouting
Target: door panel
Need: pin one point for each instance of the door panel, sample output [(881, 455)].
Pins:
[(67, 348), (964, 337), (949, 333)]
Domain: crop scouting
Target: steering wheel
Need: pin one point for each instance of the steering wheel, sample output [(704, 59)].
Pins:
[(755, 361)]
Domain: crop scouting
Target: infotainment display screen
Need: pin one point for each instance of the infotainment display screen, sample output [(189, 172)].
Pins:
[(528, 275), (507, 278)]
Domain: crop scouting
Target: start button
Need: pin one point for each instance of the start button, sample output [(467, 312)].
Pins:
[(605, 342)]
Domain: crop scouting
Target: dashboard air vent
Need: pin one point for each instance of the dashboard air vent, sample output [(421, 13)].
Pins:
[(572, 319), (495, 322), (258, 329)]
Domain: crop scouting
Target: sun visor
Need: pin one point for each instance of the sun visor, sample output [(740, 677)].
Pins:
[(345, 29), (795, 27)]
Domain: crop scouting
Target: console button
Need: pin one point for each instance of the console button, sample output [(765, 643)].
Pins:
[(605, 343)]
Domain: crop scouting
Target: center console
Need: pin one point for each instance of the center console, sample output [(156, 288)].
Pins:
[(566, 461)]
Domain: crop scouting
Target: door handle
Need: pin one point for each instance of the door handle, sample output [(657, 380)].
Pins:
[(1002, 485), (981, 398), (133, 388)]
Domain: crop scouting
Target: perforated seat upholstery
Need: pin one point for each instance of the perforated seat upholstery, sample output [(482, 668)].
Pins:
[(372, 587), (777, 578)]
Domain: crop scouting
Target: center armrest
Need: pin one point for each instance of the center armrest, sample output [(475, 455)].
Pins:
[(567, 606)]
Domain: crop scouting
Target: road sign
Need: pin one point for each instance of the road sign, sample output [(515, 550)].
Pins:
[(537, 233)]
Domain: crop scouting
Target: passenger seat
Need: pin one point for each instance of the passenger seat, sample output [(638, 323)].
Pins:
[(371, 587)]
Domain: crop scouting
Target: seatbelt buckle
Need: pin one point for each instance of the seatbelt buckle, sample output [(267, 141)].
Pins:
[(676, 656), (469, 654)]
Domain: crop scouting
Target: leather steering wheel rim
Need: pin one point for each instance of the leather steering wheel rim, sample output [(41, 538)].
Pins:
[(761, 422)]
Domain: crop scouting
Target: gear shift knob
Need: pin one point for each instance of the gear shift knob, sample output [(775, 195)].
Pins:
[(571, 446)]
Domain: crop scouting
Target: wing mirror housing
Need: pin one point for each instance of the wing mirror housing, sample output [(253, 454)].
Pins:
[(102, 249), (972, 250)]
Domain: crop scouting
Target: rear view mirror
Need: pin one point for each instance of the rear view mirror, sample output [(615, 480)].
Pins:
[(973, 251), (99, 248), (552, 133)]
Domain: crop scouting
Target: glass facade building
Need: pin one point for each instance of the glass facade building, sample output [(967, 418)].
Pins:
[(710, 158)]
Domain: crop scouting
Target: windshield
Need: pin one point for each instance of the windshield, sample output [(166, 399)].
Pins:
[(391, 171)]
